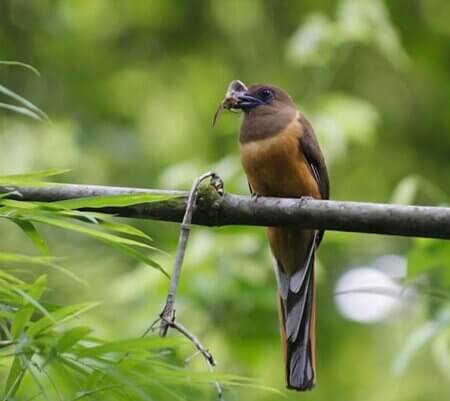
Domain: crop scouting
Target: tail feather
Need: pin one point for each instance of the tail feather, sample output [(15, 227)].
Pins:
[(300, 361), (297, 318)]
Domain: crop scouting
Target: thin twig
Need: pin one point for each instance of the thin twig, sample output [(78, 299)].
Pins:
[(173, 323), (167, 316), (200, 347), (167, 311)]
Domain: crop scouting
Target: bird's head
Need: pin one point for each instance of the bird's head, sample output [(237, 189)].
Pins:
[(262, 98), (256, 100)]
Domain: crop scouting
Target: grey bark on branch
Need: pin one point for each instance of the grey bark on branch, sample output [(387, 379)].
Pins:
[(213, 209)]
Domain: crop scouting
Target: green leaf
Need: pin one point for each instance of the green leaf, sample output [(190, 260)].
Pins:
[(419, 338), (31, 368), (414, 188), (405, 191), (102, 236), (31, 301), (18, 179), (20, 110), (24, 102), (139, 256), (34, 235), (123, 244), (88, 393), (44, 261), (125, 229), (72, 336), (430, 256), (19, 64), (31, 298), (9, 277), (76, 366), (61, 315), (12, 203), (15, 376), (112, 201), (138, 344)]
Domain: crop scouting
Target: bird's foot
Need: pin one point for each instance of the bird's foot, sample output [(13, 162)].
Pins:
[(306, 199)]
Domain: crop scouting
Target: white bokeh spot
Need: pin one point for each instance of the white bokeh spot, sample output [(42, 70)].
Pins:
[(367, 295)]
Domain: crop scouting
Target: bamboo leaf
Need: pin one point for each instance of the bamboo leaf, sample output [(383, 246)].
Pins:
[(88, 393), (45, 261), (112, 201), (15, 376), (34, 235), (102, 236), (12, 203), (124, 346), (18, 179), (139, 256), (72, 336), (125, 229), (9, 277), (21, 110), (31, 301), (61, 315), (419, 338), (31, 298), (24, 102), (20, 64)]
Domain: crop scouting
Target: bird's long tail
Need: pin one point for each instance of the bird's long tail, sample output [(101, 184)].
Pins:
[(297, 321)]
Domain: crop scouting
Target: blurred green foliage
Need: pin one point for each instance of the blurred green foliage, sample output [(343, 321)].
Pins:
[(130, 88)]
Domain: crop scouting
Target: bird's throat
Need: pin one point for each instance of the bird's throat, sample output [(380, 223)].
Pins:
[(259, 125)]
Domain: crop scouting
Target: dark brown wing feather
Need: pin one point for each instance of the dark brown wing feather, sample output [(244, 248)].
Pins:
[(311, 149), (314, 156)]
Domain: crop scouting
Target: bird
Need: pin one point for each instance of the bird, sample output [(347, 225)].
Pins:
[(281, 157)]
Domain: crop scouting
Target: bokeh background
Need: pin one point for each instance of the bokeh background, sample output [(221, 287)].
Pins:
[(131, 87)]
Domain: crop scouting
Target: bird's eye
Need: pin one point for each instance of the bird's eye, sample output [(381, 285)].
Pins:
[(266, 94)]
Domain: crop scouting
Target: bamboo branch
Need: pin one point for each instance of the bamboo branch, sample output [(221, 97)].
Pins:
[(213, 209)]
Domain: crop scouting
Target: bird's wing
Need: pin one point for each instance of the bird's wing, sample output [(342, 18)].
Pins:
[(310, 148), (313, 154)]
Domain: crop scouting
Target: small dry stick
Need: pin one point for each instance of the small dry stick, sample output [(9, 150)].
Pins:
[(167, 316), (167, 312), (200, 347)]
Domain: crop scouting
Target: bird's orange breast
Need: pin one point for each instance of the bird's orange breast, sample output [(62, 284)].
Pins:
[(276, 166)]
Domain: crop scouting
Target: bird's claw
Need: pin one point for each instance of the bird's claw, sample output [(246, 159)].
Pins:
[(306, 198)]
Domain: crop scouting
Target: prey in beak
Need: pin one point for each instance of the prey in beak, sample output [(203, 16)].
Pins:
[(236, 98)]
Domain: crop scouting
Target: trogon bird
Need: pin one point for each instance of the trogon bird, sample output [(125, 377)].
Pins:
[(281, 157)]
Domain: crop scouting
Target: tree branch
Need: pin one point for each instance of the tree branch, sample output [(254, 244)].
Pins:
[(213, 209)]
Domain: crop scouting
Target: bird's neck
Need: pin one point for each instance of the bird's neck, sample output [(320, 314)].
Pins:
[(259, 126)]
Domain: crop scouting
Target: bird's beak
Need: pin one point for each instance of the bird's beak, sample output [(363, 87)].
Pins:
[(246, 102), (236, 98)]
